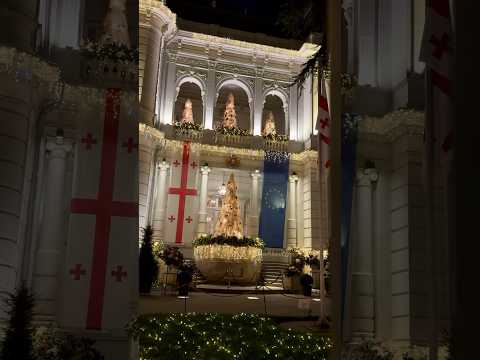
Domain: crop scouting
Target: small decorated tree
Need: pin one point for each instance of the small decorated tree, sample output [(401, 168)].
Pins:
[(230, 115), (18, 341), (148, 265)]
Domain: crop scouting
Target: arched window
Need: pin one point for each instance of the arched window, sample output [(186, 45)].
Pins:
[(274, 104), (192, 91), (242, 99)]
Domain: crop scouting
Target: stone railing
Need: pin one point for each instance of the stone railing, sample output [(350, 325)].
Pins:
[(210, 137)]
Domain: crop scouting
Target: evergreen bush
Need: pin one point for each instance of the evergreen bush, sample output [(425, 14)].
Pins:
[(148, 266), (220, 336), (18, 341)]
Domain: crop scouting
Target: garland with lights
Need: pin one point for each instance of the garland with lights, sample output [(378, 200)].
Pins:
[(223, 336), (185, 127), (109, 51), (276, 137), (235, 131), (209, 239)]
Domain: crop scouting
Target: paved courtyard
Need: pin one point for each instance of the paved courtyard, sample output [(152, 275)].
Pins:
[(291, 308)]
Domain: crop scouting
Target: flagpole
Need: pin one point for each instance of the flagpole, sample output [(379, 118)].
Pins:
[(334, 14)]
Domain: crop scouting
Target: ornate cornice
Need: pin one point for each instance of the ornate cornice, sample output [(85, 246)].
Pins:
[(392, 126)]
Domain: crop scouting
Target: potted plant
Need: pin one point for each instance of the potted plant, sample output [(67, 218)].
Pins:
[(291, 279), (148, 266), (306, 280), (184, 279), (173, 259)]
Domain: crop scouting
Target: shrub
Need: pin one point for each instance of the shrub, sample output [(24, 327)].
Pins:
[(52, 344), (18, 343), (218, 336), (148, 266)]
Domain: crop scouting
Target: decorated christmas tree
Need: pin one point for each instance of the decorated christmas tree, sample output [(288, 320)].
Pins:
[(269, 128), (229, 222), (187, 115), (230, 116)]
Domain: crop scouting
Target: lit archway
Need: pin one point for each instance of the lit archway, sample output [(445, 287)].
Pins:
[(243, 103)]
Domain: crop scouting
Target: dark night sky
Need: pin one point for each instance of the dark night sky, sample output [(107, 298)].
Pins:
[(249, 15)]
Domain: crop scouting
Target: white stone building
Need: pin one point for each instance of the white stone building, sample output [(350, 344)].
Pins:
[(180, 59)]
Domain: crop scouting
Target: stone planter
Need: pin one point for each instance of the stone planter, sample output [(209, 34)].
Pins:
[(292, 283), (316, 278), (224, 264), (167, 275)]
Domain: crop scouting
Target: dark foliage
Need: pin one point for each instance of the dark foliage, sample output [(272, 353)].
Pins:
[(148, 270), (18, 341)]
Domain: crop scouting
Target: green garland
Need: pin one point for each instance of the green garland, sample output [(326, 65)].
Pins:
[(232, 131), (276, 137), (220, 336), (117, 53), (186, 126), (228, 240)]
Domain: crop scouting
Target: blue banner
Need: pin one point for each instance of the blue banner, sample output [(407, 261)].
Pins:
[(274, 198), (349, 154)]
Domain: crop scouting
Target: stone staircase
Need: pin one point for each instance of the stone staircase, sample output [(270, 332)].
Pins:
[(272, 272)]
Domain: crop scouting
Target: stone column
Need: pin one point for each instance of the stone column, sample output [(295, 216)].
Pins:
[(252, 220), (202, 213), (150, 77), (160, 200), (51, 243), (258, 105), (292, 213), (363, 304), (210, 98)]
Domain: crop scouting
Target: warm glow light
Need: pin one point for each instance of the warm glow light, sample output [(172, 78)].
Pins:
[(222, 190), (316, 299), (227, 253), (183, 297), (253, 298)]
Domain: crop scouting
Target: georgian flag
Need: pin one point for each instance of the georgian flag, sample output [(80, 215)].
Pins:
[(323, 127), (181, 217), (99, 284), (437, 53)]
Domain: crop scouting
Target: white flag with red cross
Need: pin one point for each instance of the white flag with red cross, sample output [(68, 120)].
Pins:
[(437, 53), (323, 127), (99, 282), (182, 200)]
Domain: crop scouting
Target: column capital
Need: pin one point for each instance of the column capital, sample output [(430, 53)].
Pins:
[(365, 177), (58, 147), (256, 174), (293, 178), (204, 170), (163, 165)]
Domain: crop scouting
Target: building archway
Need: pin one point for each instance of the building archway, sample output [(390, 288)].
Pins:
[(276, 103), (192, 90), (243, 102)]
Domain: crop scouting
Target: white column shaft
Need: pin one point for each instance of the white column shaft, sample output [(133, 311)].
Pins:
[(210, 97), (292, 213), (161, 195), (52, 234), (202, 213), (252, 220), (362, 277), (150, 77)]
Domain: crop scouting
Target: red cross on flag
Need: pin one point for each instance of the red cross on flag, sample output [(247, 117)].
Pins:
[(102, 244), (323, 127), (437, 53), (182, 200)]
